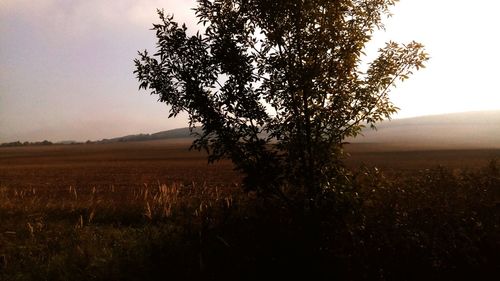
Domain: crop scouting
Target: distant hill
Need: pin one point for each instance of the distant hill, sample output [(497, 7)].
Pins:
[(461, 130), (479, 129), (457, 130), (170, 134)]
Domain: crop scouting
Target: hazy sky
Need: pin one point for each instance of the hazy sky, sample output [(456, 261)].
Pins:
[(66, 65)]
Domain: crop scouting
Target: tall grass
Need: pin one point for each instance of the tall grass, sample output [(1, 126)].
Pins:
[(82, 234), (436, 224)]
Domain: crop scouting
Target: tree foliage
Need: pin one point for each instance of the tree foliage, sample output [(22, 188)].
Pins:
[(277, 85)]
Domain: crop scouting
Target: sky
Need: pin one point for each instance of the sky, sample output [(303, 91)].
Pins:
[(66, 66)]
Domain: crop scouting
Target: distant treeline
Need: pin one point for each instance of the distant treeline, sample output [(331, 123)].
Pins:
[(26, 143), (170, 134)]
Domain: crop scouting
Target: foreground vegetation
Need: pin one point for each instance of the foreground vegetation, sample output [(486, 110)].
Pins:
[(432, 224)]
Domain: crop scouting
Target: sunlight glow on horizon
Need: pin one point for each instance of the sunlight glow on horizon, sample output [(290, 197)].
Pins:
[(66, 71), (464, 57)]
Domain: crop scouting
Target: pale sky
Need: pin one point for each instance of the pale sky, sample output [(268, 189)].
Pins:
[(66, 65)]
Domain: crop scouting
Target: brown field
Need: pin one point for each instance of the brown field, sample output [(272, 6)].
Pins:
[(151, 210), (132, 164), (101, 165), (398, 157)]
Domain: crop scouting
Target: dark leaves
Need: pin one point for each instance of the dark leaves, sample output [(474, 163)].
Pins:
[(278, 85)]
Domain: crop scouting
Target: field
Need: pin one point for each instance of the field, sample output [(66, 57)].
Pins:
[(101, 165), (133, 164), (154, 210)]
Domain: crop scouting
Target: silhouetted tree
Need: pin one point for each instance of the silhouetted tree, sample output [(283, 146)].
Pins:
[(277, 85)]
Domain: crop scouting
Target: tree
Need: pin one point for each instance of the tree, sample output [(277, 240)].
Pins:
[(277, 85)]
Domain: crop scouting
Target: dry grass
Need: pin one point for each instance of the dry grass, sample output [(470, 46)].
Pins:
[(68, 234), (152, 211), (153, 203)]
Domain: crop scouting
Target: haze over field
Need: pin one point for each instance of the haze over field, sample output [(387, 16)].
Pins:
[(66, 70), (458, 130), (469, 130)]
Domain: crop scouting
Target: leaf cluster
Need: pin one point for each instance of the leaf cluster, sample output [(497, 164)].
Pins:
[(278, 85)]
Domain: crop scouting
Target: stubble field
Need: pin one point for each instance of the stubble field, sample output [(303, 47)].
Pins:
[(103, 165), (132, 164), (129, 211)]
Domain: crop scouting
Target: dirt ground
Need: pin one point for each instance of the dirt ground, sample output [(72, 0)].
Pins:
[(134, 164)]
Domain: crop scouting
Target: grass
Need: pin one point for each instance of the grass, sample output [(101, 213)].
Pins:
[(103, 234), (61, 218)]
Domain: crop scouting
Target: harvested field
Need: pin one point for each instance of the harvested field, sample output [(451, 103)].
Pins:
[(117, 164), (132, 164), (152, 210)]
